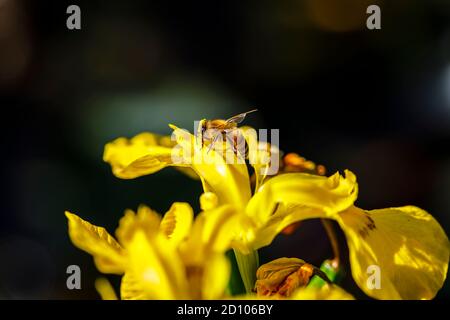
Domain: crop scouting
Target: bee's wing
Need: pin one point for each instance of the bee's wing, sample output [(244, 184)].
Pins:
[(239, 117)]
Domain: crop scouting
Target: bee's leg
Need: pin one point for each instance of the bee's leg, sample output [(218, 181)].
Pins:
[(233, 140), (203, 134)]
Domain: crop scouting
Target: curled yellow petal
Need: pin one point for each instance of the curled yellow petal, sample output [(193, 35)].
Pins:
[(108, 255), (330, 194), (177, 222), (396, 253), (143, 154)]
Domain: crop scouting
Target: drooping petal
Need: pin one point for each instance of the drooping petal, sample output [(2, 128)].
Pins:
[(143, 154), (406, 247), (108, 255), (225, 176), (176, 223), (155, 265), (330, 194)]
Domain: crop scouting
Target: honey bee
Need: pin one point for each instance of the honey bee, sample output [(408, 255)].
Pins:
[(211, 130)]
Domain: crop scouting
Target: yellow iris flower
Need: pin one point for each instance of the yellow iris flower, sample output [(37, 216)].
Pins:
[(170, 257), (161, 258), (406, 243)]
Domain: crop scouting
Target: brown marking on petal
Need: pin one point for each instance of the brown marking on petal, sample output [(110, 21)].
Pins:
[(277, 205), (367, 227), (363, 233)]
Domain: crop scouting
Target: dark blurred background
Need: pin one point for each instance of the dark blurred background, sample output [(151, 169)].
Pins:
[(376, 102)]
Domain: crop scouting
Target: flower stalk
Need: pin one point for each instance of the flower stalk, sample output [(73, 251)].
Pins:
[(247, 264), (331, 233)]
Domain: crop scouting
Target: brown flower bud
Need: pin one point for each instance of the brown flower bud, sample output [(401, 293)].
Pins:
[(283, 276)]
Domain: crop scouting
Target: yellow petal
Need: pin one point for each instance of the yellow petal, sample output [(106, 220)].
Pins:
[(105, 289), (208, 201), (332, 194), (108, 255), (145, 219), (326, 292), (284, 216), (219, 228), (408, 246), (130, 289), (212, 232), (177, 222), (156, 266), (216, 276), (141, 155), (229, 181), (262, 156)]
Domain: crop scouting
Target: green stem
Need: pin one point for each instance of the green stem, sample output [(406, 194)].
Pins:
[(329, 228), (247, 264), (235, 285)]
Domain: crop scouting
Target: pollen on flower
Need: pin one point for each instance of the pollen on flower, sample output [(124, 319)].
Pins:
[(293, 162)]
